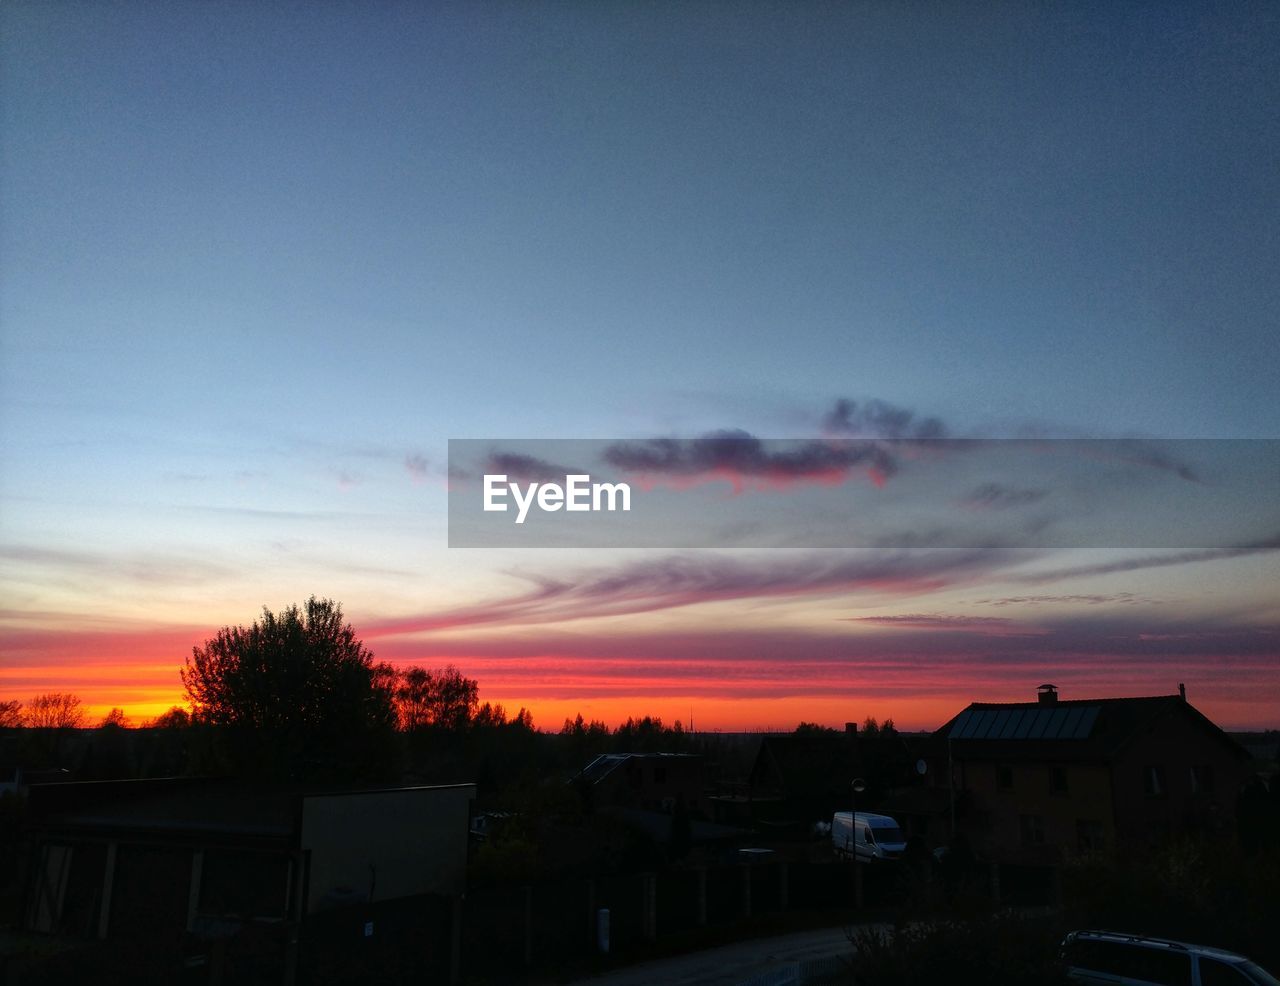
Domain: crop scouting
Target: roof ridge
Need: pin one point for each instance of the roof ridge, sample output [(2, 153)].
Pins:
[(1073, 701)]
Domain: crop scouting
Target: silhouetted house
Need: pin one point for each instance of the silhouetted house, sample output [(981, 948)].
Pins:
[(648, 781), (1038, 779), (802, 779), (233, 884)]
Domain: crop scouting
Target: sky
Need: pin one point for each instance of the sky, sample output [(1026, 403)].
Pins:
[(259, 263)]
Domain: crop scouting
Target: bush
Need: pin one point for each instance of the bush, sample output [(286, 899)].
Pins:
[(999, 950)]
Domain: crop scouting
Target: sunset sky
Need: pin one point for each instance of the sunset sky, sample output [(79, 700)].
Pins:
[(260, 262)]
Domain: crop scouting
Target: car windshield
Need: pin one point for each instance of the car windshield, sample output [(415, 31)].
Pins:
[(887, 833)]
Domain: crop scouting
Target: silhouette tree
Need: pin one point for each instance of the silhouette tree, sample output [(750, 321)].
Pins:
[(115, 719), (444, 699), (175, 717), (10, 715), (295, 693), (54, 710), (813, 729)]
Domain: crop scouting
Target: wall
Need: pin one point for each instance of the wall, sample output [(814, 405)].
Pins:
[(381, 845)]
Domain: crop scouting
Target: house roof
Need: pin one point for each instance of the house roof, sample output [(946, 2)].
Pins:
[(605, 764), (1079, 729), (798, 765)]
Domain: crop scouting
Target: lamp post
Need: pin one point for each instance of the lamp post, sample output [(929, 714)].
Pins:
[(857, 787)]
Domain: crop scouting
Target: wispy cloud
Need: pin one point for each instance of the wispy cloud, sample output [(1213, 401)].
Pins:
[(139, 567), (1163, 560), (940, 621), (417, 465), (527, 468), (1085, 599), (686, 580), (1000, 496)]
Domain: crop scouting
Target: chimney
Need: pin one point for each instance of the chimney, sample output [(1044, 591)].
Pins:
[(851, 729), (1047, 694), (1182, 691)]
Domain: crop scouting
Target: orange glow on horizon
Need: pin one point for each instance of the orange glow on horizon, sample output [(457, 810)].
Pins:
[(137, 671)]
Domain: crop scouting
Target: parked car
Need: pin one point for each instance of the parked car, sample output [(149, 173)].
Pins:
[(866, 836), (1108, 957)]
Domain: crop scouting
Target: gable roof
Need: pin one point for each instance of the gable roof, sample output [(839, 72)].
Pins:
[(605, 764), (797, 765), (1079, 729)]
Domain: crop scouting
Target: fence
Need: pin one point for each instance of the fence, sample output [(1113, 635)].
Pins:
[(547, 924)]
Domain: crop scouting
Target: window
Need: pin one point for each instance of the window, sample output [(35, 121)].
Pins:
[(1153, 781), (1089, 834), (1132, 961), (1215, 973), (1004, 777), (1202, 778), (1032, 830), (1158, 965), (1058, 780)]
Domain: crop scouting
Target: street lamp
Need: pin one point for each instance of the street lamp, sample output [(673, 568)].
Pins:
[(858, 786)]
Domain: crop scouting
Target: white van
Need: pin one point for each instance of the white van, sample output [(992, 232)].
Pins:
[(866, 836)]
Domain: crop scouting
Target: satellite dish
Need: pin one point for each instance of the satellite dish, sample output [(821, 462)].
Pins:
[(859, 785), (922, 768)]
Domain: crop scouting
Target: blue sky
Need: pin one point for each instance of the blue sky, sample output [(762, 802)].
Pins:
[(254, 259)]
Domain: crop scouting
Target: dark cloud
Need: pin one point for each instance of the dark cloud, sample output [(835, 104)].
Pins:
[(998, 496), (879, 419), (740, 456)]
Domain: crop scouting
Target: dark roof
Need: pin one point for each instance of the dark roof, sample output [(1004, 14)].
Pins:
[(179, 808), (1080, 729), (168, 807), (605, 764), (804, 765)]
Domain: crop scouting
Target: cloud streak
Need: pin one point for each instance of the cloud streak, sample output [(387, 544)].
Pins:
[(749, 463), (686, 580)]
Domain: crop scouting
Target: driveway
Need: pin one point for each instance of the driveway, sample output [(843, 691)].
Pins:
[(729, 965)]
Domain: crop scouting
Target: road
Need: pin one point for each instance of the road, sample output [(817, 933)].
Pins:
[(728, 965)]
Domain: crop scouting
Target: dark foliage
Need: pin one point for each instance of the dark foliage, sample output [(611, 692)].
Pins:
[(1200, 892), (998, 950), (294, 694)]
